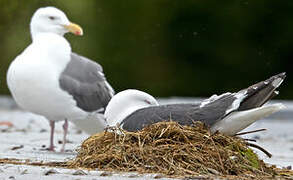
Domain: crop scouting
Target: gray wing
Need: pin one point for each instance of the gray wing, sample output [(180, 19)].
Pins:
[(208, 111), (85, 81), (184, 114)]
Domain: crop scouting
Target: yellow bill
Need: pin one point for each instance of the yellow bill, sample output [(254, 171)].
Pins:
[(74, 28)]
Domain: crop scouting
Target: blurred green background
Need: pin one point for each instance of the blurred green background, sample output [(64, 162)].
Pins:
[(168, 47)]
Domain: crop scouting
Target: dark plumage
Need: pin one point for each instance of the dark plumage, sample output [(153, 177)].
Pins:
[(209, 111)]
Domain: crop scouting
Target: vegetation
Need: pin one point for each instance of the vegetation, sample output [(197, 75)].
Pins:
[(173, 150)]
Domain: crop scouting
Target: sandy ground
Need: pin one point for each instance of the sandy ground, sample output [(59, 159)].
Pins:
[(29, 136)]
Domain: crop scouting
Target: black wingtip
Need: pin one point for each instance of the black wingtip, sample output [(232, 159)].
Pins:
[(281, 75), (260, 93), (276, 80)]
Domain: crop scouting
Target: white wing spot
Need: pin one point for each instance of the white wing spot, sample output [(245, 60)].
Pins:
[(277, 82)]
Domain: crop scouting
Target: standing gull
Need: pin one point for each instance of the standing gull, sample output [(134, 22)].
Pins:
[(228, 113), (48, 79)]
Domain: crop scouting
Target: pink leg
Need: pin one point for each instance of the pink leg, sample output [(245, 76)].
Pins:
[(65, 129), (52, 125)]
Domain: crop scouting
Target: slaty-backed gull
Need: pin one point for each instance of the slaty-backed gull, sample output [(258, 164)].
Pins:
[(228, 113), (48, 79)]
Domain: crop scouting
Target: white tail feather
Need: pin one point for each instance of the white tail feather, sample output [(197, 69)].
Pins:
[(237, 121)]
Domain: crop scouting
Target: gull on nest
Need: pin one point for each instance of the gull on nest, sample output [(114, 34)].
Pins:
[(228, 113)]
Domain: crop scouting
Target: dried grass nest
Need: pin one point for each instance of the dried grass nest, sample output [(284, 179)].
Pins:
[(170, 149)]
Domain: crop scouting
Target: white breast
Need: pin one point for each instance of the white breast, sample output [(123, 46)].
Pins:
[(33, 79)]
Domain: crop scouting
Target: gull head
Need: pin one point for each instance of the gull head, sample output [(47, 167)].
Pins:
[(125, 103), (52, 20)]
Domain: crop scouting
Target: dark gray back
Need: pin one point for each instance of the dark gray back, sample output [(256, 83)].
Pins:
[(184, 114)]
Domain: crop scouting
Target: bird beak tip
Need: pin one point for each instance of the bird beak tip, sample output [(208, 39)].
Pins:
[(74, 28)]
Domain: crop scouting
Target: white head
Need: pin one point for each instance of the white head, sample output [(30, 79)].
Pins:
[(52, 20), (125, 103)]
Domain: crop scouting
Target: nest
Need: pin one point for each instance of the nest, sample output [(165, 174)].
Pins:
[(170, 149)]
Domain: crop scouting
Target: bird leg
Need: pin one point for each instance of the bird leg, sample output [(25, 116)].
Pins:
[(65, 129), (52, 125)]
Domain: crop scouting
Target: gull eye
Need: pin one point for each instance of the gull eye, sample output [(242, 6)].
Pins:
[(52, 17)]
